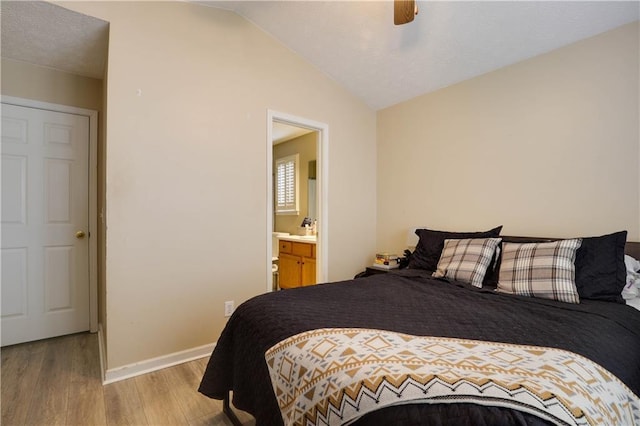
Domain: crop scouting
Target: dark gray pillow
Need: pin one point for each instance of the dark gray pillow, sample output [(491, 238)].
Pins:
[(431, 243), (600, 270)]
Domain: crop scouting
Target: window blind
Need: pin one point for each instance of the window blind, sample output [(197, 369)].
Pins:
[(286, 185)]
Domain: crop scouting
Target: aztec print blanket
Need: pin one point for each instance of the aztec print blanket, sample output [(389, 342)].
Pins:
[(334, 376)]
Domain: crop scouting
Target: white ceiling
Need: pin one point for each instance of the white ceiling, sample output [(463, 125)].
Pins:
[(354, 42), (281, 132), (45, 34)]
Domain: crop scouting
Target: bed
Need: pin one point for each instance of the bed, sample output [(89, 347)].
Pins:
[(411, 348)]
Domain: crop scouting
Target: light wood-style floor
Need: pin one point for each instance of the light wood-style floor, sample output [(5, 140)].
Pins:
[(57, 382)]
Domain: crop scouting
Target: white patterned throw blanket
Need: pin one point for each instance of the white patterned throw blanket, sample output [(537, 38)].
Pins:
[(334, 376)]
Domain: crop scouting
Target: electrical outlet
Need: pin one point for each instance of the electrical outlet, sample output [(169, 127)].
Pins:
[(228, 308)]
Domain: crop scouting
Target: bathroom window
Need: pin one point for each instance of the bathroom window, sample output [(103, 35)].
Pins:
[(287, 185)]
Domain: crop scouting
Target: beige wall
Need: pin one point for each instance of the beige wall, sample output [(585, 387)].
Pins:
[(306, 147), (186, 169), (25, 80), (29, 81), (102, 209), (546, 147)]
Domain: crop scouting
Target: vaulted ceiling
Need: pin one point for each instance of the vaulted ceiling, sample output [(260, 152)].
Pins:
[(356, 43), (353, 42)]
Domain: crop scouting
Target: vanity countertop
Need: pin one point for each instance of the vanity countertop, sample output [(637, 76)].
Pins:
[(311, 239)]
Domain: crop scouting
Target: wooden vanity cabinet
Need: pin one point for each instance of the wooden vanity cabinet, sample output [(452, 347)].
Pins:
[(297, 264)]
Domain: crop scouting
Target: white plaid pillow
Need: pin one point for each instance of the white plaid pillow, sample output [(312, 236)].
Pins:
[(466, 260), (544, 270)]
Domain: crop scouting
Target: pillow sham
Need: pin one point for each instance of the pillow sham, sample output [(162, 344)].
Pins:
[(600, 269), (431, 242), (491, 280), (467, 260), (544, 270)]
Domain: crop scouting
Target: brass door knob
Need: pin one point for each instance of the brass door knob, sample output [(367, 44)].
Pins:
[(80, 235)]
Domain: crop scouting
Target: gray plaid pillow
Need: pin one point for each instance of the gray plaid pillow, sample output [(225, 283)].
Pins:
[(545, 270), (466, 260)]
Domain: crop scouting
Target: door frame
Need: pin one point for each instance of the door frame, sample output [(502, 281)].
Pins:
[(322, 161), (93, 189)]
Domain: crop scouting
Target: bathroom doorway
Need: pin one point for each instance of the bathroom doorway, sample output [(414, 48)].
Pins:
[(290, 137)]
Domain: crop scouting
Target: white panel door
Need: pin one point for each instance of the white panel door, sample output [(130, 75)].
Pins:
[(45, 218)]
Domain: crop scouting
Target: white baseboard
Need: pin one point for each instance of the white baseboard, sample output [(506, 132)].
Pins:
[(158, 363)]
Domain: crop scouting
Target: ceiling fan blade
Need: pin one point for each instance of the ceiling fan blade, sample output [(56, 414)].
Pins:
[(404, 11)]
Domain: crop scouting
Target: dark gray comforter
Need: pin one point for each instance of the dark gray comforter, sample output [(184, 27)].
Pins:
[(411, 302)]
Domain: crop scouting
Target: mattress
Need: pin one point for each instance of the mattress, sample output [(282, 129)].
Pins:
[(414, 303)]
